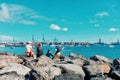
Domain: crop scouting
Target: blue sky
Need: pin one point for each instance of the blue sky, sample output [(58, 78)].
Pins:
[(77, 20)]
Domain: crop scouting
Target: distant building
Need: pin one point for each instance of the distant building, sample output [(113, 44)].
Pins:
[(116, 43), (100, 41)]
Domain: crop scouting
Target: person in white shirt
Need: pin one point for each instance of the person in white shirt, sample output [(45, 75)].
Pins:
[(29, 50)]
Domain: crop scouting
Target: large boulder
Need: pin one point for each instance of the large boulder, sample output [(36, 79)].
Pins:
[(45, 73), (25, 58), (115, 73), (100, 78), (93, 70), (105, 67), (76, 56), (68, 77), (18, 68), (42, 61), (38, 63), (78, 62), (54, 71), (89, 62), (6, 59), (42, 68), (11, 76), (35, 75), (116, 62), (71, 69), (101, 59)]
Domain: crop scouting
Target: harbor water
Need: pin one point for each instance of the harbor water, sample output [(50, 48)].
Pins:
[(86, 51)]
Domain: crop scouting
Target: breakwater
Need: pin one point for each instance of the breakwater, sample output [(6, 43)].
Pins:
[(74, 67)]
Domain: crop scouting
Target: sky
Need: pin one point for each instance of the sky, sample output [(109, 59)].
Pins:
[(66, 20)]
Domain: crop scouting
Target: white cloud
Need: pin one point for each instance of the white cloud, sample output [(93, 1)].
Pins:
[(97, 25), (6, 38), (113, 29), (102, 14), (55, 27), (15, 13), (28, 22), (4, 13), (12, 13), (65, 29)]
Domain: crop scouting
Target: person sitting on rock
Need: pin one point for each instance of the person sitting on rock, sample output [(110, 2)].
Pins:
[(57, 54), (48, 54), (29, 50), (39, 50)]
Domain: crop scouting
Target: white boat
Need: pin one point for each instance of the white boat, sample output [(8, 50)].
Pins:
[(87, 46), (71, 45), (111, 46), (52, 45), (1, 45)]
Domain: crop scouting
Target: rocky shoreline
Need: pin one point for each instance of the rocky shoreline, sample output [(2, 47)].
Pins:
[(74, 67)]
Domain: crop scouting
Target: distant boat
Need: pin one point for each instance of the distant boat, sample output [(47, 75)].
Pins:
[(79, 45), (12, 47), (87, 45), (111, 46), (71, 45), (52, 45), (1, 45)]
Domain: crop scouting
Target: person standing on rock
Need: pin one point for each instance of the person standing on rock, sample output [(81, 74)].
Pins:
[(39, 50), (29, 50)]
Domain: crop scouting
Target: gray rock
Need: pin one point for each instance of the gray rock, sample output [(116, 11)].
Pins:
[(89, 62), (34, 75), (45, 73), (11, 76), (25, 58), (100, 78), (93, 70), (69, 77), (6, 59), (71, 69), (76, 56), (54, 71), (116, 62), (115, 74), (42, 68), (39, 62), (101, 59), (18, 68), (78, 62), (44, 60)]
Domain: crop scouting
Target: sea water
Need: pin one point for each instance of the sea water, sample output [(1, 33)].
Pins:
[(86, 51)]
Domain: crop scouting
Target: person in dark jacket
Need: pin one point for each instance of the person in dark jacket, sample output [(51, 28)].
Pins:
[(39, 50), (48, 54)]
